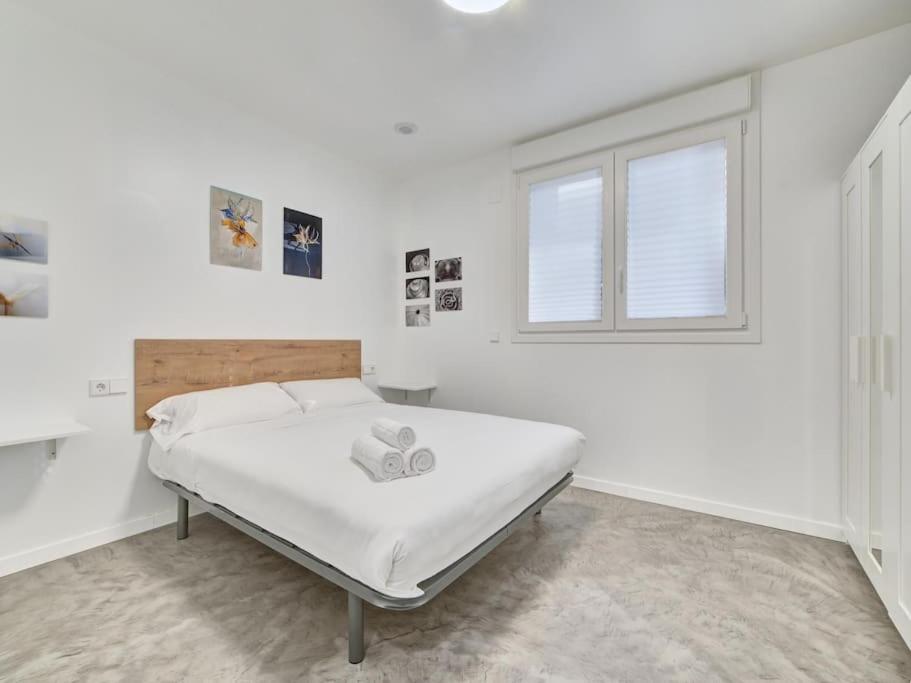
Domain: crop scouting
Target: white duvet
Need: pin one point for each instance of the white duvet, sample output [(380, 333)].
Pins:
[(294, 476)]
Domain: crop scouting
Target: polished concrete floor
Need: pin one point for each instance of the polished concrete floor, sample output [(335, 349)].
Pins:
[(599, 588)]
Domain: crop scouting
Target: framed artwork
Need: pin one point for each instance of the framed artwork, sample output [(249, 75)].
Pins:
[(23, 239), (235, 229), (417, 288), (417, 261), (417, 316), (302, 244), (449, 299), (23, 294), (448, 269)]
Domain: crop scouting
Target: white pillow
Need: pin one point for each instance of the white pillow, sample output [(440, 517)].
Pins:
[(198, 411), (318, 394)]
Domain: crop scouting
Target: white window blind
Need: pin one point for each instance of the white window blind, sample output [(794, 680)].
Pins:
[(565, 226), (677, 233)]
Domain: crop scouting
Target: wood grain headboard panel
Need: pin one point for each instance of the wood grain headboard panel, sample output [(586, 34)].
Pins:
[(166, 367)]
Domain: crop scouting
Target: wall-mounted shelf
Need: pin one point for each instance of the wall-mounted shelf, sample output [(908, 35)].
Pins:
[(40, 430), (408, 387)]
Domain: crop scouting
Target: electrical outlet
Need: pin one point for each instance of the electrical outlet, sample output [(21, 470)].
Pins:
[(369, 369), (99, 387)]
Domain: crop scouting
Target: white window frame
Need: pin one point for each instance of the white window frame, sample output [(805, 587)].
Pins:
[(731, 133), (604, 161), (741, 324)]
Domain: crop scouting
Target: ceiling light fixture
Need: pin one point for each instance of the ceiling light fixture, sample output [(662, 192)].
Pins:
[(476, 6), (406, 128)]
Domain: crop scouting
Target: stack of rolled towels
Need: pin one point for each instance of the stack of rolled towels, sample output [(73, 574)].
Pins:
[(391, 451)]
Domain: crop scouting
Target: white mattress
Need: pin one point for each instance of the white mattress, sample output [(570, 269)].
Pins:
[(294, 476)]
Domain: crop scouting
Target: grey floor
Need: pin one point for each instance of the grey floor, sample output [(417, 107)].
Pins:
[(599, 588)]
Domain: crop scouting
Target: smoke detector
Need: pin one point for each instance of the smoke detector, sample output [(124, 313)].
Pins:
[(406, 128)]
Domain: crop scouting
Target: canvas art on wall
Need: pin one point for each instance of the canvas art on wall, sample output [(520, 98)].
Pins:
[(449, 299), (22, 294), (448, 269), (417, 261), (23, 239), (417, 316), (417, 288), (302, 244), (235, 229)]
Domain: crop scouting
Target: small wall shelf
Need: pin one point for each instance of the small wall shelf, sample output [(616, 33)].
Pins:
[(408, 387), (41, 430)]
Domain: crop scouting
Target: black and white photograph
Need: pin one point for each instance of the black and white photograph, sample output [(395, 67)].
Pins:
[(449, 299), (417, 316), (417, 288), (417, 261), (448, 269)]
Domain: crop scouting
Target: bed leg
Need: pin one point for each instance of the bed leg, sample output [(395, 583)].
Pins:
[(183, 518), (355, 629)]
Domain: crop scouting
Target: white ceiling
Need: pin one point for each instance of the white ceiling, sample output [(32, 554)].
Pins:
[(342, 72)]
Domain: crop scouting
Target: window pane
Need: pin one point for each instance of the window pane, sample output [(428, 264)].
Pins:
[(564, 249), (677, 233)]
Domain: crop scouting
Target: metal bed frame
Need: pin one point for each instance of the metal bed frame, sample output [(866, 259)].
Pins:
[(358, 592)]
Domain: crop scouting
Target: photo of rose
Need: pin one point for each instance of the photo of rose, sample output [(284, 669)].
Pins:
[(449, 299)]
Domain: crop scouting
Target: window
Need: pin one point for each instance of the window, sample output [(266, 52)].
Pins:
[(566, 252), (635, 243), (564, 248)]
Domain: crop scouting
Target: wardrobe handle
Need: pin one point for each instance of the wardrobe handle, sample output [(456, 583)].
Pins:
[(883, 362)]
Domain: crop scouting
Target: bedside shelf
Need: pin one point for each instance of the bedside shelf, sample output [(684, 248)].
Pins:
[(41, 430), (409, 387)]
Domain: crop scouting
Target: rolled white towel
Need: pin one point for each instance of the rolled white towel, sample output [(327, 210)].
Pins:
[(382, 461), (419, 460), (393, 433)]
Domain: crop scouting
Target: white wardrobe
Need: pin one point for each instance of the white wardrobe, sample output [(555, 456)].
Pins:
[(876, 239)]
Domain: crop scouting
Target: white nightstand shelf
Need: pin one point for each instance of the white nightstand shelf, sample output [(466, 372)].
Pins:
[(409, 387), (38, 430)]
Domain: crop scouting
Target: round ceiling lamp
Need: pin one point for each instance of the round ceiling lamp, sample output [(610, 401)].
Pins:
[(476, 6)]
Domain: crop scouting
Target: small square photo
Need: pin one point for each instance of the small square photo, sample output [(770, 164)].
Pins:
[(449, 299), (417, 261), (23, 239), (417, 288), (448, 269), (23, 295), (417, 316)]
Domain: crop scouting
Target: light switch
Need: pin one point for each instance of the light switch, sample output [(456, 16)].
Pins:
[(369, 369), (495, 337), (99, 387), (119, 385)]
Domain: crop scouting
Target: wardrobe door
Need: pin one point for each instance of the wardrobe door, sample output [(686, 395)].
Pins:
[(900, 114), (853, 333), (877, 547)]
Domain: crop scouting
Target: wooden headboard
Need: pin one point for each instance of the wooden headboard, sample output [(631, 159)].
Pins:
[(166, 367)]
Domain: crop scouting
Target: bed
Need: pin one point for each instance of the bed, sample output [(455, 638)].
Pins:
[(289, 482)]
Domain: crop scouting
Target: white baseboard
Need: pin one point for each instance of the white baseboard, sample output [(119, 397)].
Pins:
[(76, 544), (710, 507)]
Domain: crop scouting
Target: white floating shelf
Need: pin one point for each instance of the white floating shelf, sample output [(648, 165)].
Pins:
[(37, 431), (408, 386)]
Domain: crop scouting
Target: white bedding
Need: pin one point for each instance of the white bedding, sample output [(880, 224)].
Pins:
[(294, 476)]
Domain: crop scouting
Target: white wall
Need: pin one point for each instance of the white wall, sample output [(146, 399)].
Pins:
[(119, 159), (748, 431)]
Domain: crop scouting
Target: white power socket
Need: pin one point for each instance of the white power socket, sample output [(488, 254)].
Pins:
[(108, 387), (99, 387), (369, 369)]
